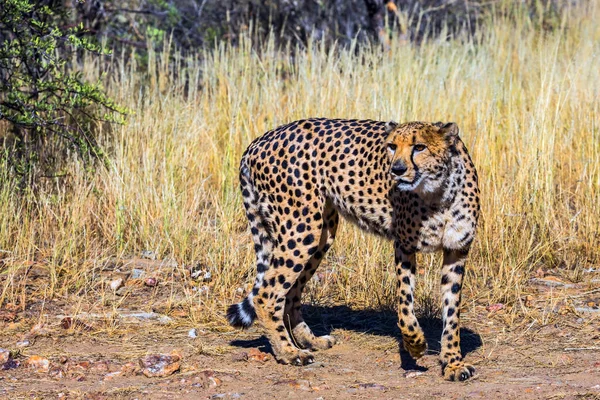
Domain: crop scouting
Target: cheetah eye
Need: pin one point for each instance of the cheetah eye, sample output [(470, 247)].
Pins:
[(392, 147), (419, 147)]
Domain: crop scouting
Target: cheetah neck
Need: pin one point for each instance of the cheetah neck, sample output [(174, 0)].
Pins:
[(442, 194)]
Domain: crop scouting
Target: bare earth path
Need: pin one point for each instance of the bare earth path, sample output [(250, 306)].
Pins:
[(555, 355)]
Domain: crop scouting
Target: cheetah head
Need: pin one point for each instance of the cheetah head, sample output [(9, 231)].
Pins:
[(420, 154)]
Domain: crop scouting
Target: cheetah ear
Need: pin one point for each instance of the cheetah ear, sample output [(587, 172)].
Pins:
[(390, 126), (448, 130)]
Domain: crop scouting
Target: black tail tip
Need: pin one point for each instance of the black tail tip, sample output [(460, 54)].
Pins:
[(241, 315)]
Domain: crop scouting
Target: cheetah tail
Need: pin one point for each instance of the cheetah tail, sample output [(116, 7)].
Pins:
[(241, 315)]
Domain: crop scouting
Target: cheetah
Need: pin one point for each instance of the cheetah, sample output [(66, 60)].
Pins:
[(413, 183)]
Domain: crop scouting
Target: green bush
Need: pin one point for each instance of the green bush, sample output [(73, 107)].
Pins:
[(50, 110)]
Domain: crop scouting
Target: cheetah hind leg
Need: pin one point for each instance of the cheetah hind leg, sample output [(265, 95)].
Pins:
[(301, 332)]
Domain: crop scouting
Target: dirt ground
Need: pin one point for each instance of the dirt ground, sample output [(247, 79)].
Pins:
[(553, 353)]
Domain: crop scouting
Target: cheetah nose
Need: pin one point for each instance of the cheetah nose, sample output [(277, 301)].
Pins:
[(399, 168)]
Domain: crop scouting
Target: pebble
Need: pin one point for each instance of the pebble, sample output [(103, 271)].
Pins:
[(412, 374), (301, 384), (242, 356), (116, 284), (193, 333), (159, 365), (38, 363), (495, 307), (376, 386), (23, 343), (4, 356), (151, 282), (137, 273), (257, 355)]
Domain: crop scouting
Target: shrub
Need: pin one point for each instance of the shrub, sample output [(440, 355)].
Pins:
[(51, 111)]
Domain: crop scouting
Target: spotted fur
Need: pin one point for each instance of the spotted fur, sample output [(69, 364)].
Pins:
[(413, 183)]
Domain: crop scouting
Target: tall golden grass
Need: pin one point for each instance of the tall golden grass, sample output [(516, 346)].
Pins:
[(526, 100)]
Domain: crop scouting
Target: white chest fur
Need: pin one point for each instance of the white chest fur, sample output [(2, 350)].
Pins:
[(447, 230)]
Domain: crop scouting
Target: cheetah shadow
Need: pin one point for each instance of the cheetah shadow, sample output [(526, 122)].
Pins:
[(324, 320)]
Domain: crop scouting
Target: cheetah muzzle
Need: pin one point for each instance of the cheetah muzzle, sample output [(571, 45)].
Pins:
[(413, 183)]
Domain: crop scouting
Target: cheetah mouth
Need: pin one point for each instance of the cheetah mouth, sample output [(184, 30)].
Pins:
[(403, 184)]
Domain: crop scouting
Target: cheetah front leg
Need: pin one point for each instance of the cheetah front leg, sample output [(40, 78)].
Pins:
[(453, 366), (412, 334)]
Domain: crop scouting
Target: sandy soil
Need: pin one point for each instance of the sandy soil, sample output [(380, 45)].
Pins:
[(553, 356)]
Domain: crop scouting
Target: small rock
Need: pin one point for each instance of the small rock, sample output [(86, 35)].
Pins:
[(68, 323), (213, 381), (10, 364), (207, 277), (301, 384), (56, 372), (193, 333), (129, 369), (79, 367), (151, 282), (24, 343), (38, 330), (4, 356), (376, 386), (112, 375), (158, 365), (137, 273), (412, 374), (116, 284), (495, 307), (100, 367), (242, 356), (122, 291), (257, 355), (40, 364)]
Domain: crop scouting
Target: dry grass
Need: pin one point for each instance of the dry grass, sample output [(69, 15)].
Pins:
[(527, 103)]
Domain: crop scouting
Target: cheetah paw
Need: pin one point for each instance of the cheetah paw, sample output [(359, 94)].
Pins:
[(301, 357), (416, 347), (458, 372), (323, 342)]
